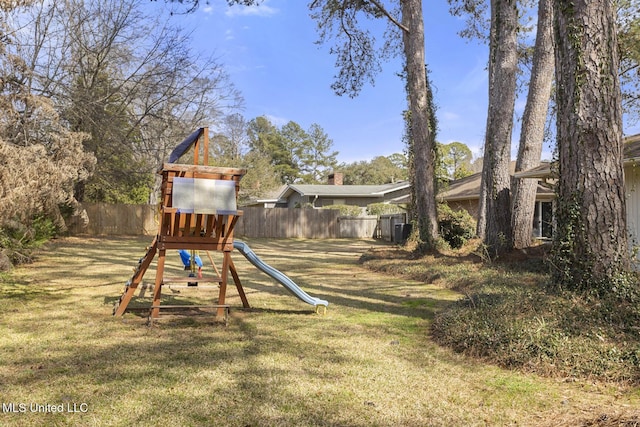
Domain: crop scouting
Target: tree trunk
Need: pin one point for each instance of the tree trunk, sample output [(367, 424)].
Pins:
[(424, 146), (481, 226), (590, 248), (533, 122), (503, 66)]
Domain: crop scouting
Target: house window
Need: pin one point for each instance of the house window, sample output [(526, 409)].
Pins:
[(543, 220), (339, 202)]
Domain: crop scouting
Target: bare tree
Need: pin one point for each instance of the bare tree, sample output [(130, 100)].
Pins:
[(533, 126), (358, 61), (496, 182), (232, 140), (132, 82), (423, 142)]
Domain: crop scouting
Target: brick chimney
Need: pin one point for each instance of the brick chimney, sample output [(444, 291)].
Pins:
[(336, 178)]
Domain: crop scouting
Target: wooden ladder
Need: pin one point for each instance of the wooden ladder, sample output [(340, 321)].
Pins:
[(138, 274)]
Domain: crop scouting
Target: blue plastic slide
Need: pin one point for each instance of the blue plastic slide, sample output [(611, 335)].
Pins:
[(277, 275)]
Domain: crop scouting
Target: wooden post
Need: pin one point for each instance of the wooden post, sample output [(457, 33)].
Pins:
[(236, 280), (196, 151), (157, 289), (205, 146), (223, 284)]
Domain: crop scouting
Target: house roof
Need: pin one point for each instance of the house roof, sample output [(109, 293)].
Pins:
[(469, 189), (631, 154), (543, 170), (632, 148), (272, 196), (342, 191), (462, 189)]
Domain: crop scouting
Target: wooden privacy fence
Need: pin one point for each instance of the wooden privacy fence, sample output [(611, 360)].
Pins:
[(283, 222), (110, 219), (387, 225)]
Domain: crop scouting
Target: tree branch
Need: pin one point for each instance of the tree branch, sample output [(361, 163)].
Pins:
[(628, 69), (386, 13)]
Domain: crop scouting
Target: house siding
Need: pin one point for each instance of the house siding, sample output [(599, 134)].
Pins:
[(296, 200), (470, 206), (632, 189)]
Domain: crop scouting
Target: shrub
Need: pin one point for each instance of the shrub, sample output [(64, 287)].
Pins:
[(346, 210), (523, 327), (383, 208), (456, 227), (18, 240)]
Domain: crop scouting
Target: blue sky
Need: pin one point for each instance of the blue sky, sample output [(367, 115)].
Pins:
[(271, 56)]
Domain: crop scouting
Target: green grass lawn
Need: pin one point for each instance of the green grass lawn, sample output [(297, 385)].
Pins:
[(369, 361)]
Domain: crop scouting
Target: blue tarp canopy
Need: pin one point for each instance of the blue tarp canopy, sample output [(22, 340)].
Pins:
[(184, 146)]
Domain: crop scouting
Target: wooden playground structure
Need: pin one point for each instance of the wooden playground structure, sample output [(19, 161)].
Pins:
[(198, 212)]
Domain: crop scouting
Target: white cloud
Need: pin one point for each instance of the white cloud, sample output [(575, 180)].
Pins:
[(263, 10), (278, 121)]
